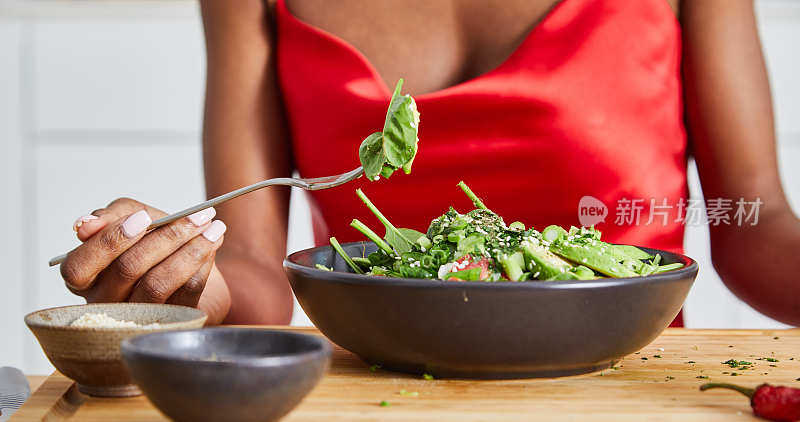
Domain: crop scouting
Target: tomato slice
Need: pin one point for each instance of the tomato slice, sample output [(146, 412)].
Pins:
[(482, 263)]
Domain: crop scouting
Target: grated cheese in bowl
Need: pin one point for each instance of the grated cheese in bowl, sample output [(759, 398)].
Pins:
[(102, 320)]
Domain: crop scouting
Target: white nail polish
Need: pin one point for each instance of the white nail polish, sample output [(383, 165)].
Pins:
[(202, 217), (136, 223), (82, 219), (215, 231)]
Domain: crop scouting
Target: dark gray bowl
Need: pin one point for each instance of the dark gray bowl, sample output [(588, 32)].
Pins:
[(486, 330), (219, 374)]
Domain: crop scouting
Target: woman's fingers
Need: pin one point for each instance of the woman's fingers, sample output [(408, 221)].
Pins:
[(189, 293), (119, 260), (88, 225), (166, 278), (114, 283), (216, 298), (85, 262)]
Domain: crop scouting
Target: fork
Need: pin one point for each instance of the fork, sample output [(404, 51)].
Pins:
[(316, 183)]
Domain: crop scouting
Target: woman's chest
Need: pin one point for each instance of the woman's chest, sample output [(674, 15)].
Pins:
[(432, 44)]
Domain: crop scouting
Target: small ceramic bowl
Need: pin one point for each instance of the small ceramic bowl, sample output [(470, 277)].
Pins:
[(91, 356), (226, 373)]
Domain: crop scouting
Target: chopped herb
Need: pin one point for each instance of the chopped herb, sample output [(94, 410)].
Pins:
[(691, 361), (669, 377), (702, 377), (409, 393), (384, 403), (657, 356), (771, 360), (774, 366), (374, 368), (427, 377), (734, 374), (644, 358), (733, 363)]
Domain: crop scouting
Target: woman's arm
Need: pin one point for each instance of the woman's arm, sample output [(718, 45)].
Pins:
[(729, 115), (245, 141)]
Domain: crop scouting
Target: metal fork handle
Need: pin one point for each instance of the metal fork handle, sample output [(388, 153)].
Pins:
[(307, 184)]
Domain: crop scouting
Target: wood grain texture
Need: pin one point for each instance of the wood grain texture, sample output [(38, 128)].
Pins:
[(35, 381), (657, 389)]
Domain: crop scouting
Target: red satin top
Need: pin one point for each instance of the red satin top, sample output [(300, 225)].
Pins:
[(589, 104)]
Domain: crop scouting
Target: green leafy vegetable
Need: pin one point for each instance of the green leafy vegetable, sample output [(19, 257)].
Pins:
[(471, 195), (395, 147), (479, 246), (372, 156), (371, 235), (393, 237), (668, 267), (472, 274), (338, 248)]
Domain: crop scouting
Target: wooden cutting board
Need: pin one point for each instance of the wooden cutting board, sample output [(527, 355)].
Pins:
[(658, 383)]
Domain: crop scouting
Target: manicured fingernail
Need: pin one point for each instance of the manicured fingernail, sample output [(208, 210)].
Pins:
[(215, 231), (136, 223), (82, 219), (202, 217)]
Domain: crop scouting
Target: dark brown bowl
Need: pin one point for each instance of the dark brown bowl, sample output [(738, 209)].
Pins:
[(226, 373), (486, 330)]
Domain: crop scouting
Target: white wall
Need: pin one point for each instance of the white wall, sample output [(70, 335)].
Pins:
[(103, 99)]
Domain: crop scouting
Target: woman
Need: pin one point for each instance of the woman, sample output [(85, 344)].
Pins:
[(535, 104)]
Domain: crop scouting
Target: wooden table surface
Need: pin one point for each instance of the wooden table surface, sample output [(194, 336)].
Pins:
[(658, 383), (36, 381)]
